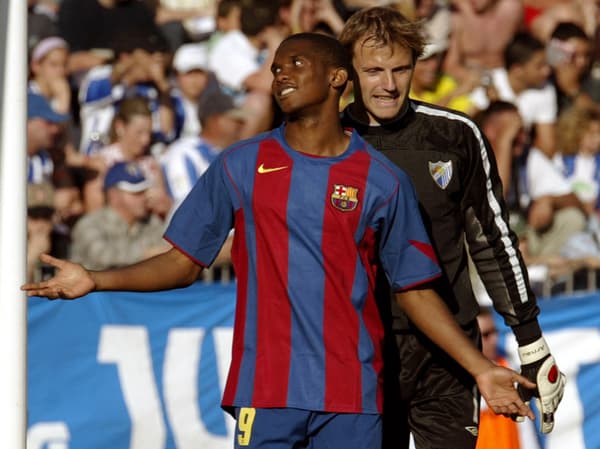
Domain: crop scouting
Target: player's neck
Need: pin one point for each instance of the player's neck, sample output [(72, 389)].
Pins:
[(318, 138)]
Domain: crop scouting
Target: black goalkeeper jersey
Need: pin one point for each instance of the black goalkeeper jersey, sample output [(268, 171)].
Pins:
[(454, 172)]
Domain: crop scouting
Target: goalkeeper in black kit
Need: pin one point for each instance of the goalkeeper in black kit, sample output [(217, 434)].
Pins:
[(454, 172)]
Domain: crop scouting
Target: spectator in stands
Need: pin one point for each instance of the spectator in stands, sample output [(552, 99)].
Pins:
[(481, 30), (40, 211), (432, 85), (124, 230), (41, 21), (186, 159), (503, 127), (192, 79), (137, 72), (228, 18), (569, 55), (578, 134), (229, 15), (312, 15), (43, 127), (52, 210), (236, 58), (555, 212), (97, 30), (69, 207), (48, 77), (436, 17), (495, 431), (542, 16), (241, 61), (130, 138), (182, 21), (525, 81)]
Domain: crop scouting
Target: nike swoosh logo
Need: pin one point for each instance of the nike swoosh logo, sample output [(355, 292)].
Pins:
[(262, 169)]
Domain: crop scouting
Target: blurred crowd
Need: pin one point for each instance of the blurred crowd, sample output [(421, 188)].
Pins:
[(130, 100)]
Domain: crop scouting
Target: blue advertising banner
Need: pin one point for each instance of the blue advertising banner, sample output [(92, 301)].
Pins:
[(571, 327), (130, 370), (126, 370)]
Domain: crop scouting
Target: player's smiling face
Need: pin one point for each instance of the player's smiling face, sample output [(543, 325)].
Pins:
[(299, 76), (384, 75)]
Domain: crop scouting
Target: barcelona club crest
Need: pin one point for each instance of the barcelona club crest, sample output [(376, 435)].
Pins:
[(344, 198), (441, 172)]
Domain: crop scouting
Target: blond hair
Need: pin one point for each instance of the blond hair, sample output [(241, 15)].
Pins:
[(381, 27), (571, 125)]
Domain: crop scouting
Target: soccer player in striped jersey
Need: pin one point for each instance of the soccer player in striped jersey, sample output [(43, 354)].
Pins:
[(317, 212)]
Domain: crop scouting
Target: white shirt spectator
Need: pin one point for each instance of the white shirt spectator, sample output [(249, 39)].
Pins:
[(99, 98), (184, 162), (233, 59), (40, 167), (544, 176), (535, 105), (583, 172)]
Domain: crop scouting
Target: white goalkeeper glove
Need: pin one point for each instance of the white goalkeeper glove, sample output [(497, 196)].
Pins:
[(538, 365)]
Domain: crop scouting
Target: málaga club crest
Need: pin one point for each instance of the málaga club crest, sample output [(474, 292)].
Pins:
[(441, 172), (344, 198)]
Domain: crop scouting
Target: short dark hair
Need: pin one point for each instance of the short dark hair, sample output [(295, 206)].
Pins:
[(256, 15), (521, 49), (495, 107), (567, 30), (224, 7), (327, 47)]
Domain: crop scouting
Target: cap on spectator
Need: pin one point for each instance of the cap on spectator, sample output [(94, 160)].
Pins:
[(190, 57), (45, 46), (432, 49), (127, 176), (216, 102), (38, 107)]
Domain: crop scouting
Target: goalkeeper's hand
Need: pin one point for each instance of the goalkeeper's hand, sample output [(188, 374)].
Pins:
[(538, 365)]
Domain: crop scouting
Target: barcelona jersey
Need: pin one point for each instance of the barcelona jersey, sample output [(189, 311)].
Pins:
[(310, 235)]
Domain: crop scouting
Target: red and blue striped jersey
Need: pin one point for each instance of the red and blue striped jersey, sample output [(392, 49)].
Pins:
[(310, 234)]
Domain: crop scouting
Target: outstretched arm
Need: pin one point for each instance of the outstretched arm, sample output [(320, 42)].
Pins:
[(496, 384), (168, 270)]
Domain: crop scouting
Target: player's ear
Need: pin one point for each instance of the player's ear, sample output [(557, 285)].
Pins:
[(339, 76)]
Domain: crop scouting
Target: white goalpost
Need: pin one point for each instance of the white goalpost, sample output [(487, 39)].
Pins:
[(13, 303)]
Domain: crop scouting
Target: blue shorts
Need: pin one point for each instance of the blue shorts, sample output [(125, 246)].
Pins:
[(290, 428)]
